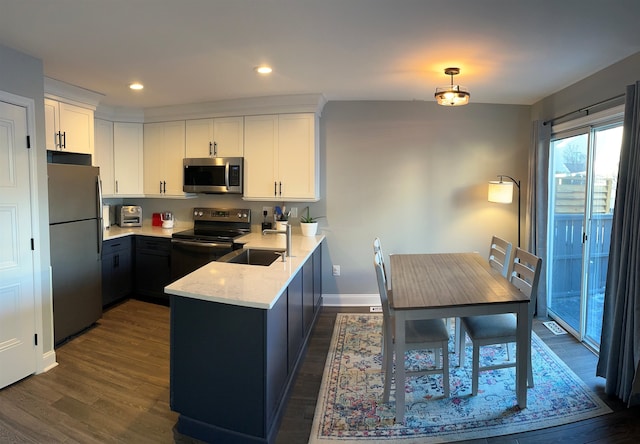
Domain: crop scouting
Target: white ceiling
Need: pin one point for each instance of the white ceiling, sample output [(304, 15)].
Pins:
[(188, 51)]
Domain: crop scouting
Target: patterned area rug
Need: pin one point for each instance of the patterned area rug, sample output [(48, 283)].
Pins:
[(350, 407)]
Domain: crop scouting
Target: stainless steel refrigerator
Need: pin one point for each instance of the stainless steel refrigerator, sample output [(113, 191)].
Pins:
[(75, 229)]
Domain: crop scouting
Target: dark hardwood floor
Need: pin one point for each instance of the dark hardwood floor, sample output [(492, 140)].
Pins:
[(112, 385)]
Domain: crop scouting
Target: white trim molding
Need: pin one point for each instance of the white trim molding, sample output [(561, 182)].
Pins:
[(48, 362), (294, 103), (74, 95), (589, 120)]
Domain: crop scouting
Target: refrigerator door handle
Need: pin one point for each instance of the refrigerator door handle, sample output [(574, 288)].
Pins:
[(100, 215)]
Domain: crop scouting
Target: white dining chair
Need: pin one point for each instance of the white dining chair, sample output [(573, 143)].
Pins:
[(419, 335), (499, 259), (500, 255), (501, 328), (377, 248)]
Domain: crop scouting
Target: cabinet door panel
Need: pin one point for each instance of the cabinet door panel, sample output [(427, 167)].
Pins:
[(297, 155), (51, 123), (128, 158), (104, 155), (294, 310), (199, 134), (163, 154), (152, 266), (172, 155), (152, 158), (228, 135), (317, 278), (261, 141), (277, 368), (77, 125), (307, 295)]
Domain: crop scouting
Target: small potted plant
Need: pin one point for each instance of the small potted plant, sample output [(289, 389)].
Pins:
[(309, 224)]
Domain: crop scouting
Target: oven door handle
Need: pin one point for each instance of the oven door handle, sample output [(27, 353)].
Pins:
[(202, 244)]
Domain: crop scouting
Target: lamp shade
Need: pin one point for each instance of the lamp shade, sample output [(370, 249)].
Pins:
[(500, 192)]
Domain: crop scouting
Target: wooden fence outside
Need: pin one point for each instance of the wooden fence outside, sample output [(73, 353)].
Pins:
[(570, 194)]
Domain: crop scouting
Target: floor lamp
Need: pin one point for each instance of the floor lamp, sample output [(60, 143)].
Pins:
[(502, 192)]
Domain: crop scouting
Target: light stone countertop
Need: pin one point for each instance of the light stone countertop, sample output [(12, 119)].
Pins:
[(253, 286), (114, 231)]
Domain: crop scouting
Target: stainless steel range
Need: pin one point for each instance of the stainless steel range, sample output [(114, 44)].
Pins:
[(213, 234)]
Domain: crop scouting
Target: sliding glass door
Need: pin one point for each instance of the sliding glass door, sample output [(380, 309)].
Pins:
[(583, 178)]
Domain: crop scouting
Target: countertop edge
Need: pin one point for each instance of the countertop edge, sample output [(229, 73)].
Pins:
[(248, 285)]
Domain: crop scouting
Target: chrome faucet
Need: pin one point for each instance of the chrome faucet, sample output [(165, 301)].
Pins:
[(286, 232)]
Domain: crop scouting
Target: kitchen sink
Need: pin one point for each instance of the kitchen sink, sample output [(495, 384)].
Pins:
[(252, 256)]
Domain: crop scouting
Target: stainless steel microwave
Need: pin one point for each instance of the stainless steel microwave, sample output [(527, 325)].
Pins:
[(213, 175)]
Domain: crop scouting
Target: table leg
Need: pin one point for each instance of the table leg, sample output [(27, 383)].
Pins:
[(457, 339), (400, 373), (523, 352)]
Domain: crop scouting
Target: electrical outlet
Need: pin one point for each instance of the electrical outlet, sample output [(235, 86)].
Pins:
[(294, 211), (375, 309), (269, 211), (336, 270)]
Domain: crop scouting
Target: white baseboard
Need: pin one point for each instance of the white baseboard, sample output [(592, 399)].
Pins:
[(48, 362), (350, 300)]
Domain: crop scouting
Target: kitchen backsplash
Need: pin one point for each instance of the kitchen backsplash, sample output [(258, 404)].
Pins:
[(182, 208)]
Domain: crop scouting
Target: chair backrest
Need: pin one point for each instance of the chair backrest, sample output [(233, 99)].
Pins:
[(526, 274), (377, 248), (382, 289), (500, 255)]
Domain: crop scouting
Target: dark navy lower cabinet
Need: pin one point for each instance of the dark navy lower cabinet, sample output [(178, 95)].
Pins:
[(232, 366)]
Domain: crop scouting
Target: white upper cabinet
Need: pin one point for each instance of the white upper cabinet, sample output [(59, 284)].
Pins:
[(118, 153), (128, 159), (260, 157), (68, 127), (281, 160), (103, 157), (220, 137), (164, 150)]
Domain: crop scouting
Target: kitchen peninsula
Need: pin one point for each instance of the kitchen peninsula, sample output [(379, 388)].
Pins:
[(238, 333)]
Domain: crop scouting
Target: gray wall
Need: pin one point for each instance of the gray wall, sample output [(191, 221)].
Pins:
[(605, 84), (415, 174), (22, 75)]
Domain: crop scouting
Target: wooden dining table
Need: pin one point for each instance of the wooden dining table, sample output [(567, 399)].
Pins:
[(427, 286)]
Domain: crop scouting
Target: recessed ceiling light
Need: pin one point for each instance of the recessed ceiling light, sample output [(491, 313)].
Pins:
[(136, 86), (264, 69)]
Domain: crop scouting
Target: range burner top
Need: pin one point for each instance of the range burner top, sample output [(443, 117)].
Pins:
[(210, 235), (217, 225)]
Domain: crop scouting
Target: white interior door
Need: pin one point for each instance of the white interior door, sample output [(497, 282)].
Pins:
[(17, 299)]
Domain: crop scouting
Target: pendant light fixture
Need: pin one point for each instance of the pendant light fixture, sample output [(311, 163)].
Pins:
[(453, 95)]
